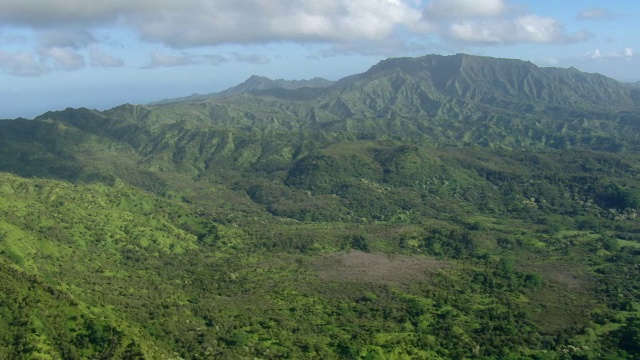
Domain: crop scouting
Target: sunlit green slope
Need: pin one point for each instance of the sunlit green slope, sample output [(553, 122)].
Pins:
[(433, 207)]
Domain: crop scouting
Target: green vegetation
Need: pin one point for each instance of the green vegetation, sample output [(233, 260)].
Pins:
[(403, 213)]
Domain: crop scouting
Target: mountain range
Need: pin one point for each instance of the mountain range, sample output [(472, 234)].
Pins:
[(495, 102), (489, 81), (433, 207)]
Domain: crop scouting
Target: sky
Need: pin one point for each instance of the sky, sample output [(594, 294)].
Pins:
[(99, 54)]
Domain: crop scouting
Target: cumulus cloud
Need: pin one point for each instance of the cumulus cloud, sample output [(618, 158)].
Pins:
[(54, 50), (595, 14), (158, 59), (256, 21), (63, 58), (495, 22), (342, 26), (216, 22), (598, 54), (55, 13), (20, 64), (520, 29), (100, 59), (448, 9)]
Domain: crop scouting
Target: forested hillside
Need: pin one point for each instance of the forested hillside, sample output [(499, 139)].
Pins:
[(433, 207)]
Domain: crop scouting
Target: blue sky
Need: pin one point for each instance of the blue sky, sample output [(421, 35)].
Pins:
[(76, 53)]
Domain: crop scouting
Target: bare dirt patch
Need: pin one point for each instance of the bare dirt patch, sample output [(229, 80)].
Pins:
[(567, 275), (358, 266), (566, 300)]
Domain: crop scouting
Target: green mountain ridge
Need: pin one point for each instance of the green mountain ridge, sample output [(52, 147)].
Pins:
[(423, 85), (468, 95), (429, 208), (253, 83)]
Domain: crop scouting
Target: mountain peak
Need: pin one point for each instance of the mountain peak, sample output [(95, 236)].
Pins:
[(257, 83), (257, 78), (253, 83), (432, 60), (491, 81)]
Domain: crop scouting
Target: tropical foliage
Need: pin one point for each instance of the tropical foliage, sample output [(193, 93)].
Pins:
[(435, 207)]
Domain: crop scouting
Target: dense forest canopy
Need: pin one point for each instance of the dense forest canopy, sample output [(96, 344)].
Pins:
[(434, 207)]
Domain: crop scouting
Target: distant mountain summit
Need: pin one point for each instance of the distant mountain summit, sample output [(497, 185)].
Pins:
[(254, 82), (432, 80)]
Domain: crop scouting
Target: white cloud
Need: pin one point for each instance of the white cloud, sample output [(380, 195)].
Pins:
[(595, 54), (158, 59), (100, 59), (449, 9), (20, 64), (256, 21), (388, 27), (45, 14), (63, 58), (495, 22), (521, 29), (598, 54), (595, 14), (190, 23)]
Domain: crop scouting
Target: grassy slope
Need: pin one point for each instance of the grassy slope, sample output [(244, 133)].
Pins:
[(267, 227), (160, 280)]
